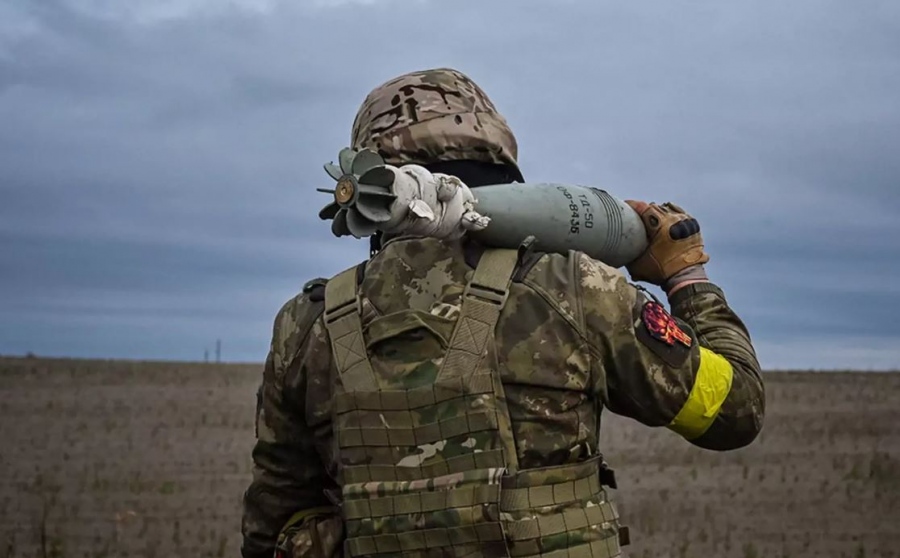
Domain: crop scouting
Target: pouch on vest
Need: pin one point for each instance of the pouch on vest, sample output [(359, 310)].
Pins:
[(316, 533)]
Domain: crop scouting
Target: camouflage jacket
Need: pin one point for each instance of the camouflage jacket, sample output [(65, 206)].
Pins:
[(574, 337)]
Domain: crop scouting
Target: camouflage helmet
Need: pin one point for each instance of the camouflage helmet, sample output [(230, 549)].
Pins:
[(432, 116)]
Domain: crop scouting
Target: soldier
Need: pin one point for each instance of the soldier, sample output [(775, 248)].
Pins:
[(443, 399)]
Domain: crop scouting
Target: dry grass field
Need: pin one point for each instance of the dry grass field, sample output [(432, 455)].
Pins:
[(102, 458)]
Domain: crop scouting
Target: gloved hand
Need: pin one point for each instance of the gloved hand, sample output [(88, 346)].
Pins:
[(675, 245)]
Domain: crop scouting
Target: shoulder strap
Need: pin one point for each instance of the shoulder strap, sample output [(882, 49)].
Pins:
[(483, 300), (344, 325)]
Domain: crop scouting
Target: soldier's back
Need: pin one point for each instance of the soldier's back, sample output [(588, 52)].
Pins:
[(424, 449)]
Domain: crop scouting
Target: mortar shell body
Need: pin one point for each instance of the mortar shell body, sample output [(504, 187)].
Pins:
[(561, 217)]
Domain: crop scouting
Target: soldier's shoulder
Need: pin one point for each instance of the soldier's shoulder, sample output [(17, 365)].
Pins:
[(564, 270), (595, 275), (573, 280), (309, 302), (550, 276), (414, 248), (311, 293), (298, 314)]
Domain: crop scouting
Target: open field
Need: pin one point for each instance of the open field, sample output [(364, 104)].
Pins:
[(102, 458)]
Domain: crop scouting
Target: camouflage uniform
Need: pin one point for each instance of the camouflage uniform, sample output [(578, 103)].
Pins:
[(522, 413)]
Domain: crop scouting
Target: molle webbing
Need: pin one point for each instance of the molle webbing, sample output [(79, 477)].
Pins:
[(426, 539), (430, 433), (442, 390), (398, 423), (526, 536), (558, 512), (491, 459), (602, 548), (566, 492), (418, 502)]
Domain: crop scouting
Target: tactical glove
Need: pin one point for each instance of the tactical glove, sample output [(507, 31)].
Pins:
[(675, 243)]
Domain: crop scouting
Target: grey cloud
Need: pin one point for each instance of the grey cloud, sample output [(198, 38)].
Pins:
[(157, 179)]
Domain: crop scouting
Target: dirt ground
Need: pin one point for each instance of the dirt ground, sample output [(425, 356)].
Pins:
[(104, 458)]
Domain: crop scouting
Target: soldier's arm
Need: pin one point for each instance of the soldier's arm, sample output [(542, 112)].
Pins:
[(694, 371), (288, 475)]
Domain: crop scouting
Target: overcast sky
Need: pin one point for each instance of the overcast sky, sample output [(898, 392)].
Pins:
[(159, 159)]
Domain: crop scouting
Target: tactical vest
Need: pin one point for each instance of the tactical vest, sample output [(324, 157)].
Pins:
[(428, 464)]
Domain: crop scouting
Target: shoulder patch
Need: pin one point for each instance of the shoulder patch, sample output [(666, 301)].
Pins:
[(662, 326), (660, 332), (315, 289)]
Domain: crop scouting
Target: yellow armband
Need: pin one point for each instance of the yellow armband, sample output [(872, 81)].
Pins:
[(711, 388)]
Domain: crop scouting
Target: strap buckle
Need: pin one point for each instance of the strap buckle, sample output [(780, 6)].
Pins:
[(485, 294), (332, 315)]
